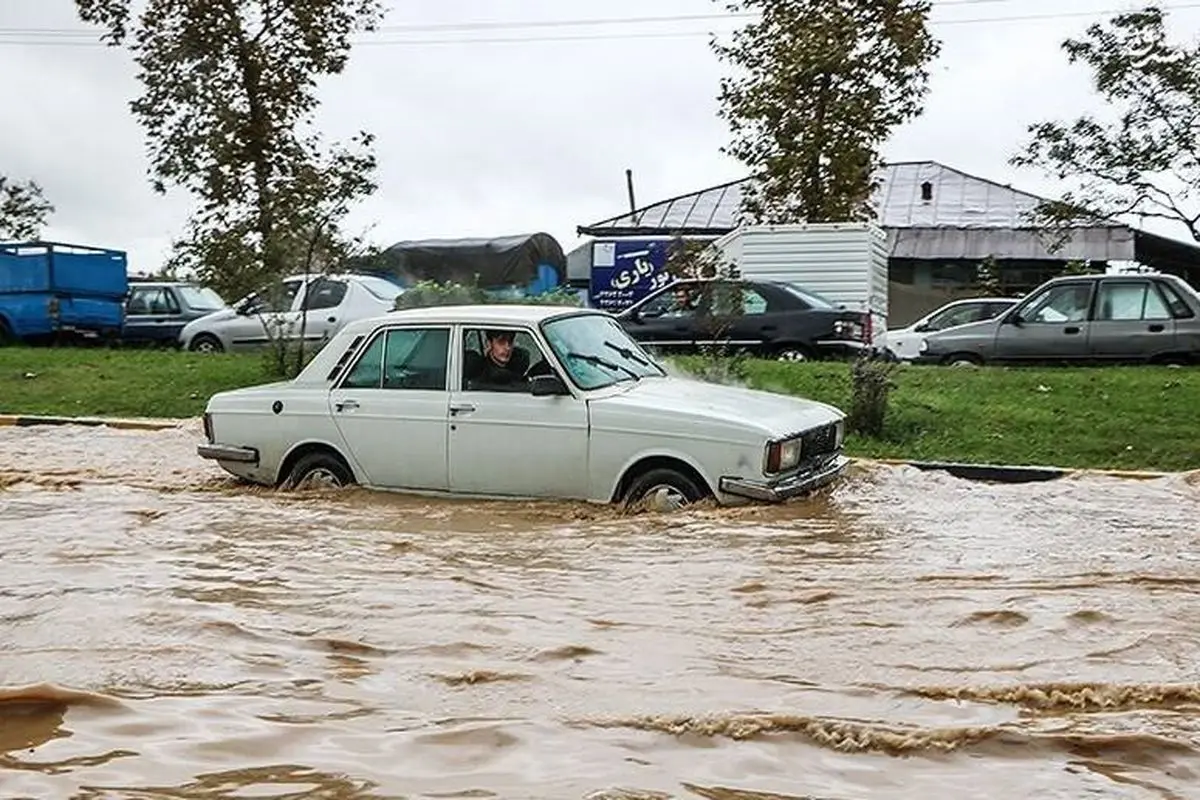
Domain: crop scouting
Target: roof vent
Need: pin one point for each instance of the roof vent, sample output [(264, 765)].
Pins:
[(926, 191)]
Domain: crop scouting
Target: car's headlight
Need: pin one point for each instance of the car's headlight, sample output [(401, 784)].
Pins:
[(839, 428), (782, 456)]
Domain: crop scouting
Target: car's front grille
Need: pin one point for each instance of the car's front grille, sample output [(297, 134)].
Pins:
[(820, 440)]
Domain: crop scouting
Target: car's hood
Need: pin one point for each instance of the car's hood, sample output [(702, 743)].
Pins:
[(764, 412), (219, 315)]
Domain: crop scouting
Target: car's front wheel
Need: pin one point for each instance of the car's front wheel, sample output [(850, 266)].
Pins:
[(318, 471), (206, 343), (664, 488), (963, 360)]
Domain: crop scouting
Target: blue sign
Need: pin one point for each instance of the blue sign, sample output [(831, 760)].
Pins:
[(626, 270)]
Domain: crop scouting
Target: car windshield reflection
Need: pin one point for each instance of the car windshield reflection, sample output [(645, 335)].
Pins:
[(596, 351)]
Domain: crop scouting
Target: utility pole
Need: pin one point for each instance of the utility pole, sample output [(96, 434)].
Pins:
[(629, 188)]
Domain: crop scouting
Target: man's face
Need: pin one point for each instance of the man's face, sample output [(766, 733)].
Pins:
[(682, 297), (500, 349)]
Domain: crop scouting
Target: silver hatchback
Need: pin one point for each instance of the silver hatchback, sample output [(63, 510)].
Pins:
[(1143, 318)]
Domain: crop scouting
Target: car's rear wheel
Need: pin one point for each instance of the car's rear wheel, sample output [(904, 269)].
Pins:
[(206, 343), (792, 352), (319, 470), (664, 488)]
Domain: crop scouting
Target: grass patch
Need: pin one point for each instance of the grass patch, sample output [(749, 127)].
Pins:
[(1102, 418), (118, 383), (1112, 417)]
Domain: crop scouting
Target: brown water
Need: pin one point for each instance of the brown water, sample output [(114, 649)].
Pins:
[(164, 634)]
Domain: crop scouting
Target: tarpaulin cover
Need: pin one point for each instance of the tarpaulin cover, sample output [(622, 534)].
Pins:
[(489, 263)]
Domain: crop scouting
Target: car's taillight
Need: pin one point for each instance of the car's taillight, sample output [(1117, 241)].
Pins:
[(208, 429), (849, 329)]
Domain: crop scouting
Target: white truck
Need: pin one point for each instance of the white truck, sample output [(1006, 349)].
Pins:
[(846, 262)]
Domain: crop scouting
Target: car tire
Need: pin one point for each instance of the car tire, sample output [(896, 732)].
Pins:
[(206, 343), (6, 337), (963, 360), (319, 470), (678, 489), (791, 352)]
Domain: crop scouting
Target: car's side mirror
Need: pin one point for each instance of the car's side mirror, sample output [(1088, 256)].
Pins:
[(922, 328), (547, 386), (1013, 319)]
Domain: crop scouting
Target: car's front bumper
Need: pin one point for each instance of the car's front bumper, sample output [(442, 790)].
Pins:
[(224, 452), (794, 485)]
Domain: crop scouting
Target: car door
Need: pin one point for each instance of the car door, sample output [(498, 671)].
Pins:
[(667, 320), (148, 314), (1132, 321), (511, 443), (1052, 325), (320, 308), (391, 408), (273, 309)]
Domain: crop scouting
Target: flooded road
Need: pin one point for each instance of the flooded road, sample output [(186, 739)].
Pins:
[(166, 634)]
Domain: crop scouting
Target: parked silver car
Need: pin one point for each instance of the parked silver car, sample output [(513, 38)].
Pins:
[(318, 305), (1083, 318)]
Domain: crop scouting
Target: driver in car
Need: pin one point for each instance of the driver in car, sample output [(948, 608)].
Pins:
[(502, 367)]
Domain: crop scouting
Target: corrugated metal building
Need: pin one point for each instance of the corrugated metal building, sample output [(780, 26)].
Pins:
[(940, 223)]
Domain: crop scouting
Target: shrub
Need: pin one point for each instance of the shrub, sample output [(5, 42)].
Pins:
[(870, 383), (432, 293)]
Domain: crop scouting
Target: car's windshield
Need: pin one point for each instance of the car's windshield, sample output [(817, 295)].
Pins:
[(201, 297), (808, 296), (597, 352)]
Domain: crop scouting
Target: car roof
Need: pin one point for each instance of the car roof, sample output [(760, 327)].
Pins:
[(477, 314)]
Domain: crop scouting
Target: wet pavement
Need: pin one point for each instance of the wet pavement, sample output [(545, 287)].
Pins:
[(168, 634)]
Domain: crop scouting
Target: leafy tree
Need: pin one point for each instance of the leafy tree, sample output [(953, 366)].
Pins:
[(24, 210), (987, 277), (822, 84), (229, 92), (1142, 155)]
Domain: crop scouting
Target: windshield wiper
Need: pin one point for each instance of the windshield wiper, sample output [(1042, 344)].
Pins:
[(603, 362), (627, 353)]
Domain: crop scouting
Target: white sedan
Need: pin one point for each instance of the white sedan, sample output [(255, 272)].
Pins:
[(905, 343), (403, 402)]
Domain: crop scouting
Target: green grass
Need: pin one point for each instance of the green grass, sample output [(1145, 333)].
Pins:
[(1113, 417), (118, 383), (1137, 418)]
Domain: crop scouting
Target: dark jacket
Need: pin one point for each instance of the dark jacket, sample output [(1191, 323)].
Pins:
[(481, 373)]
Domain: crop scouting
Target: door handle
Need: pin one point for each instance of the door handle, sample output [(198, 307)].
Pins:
[(1156, 328), (1071, 329), (462, 408), (346, 405)]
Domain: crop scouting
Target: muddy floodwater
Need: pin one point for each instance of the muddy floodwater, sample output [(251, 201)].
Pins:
[(167, 634)]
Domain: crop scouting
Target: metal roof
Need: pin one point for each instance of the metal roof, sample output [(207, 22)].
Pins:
[(956, 200)]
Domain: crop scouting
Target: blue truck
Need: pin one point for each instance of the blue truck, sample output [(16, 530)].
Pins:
[(51, 291)]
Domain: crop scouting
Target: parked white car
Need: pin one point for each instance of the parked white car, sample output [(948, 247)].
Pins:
[(332, 301), (905, 343), (387, 404)]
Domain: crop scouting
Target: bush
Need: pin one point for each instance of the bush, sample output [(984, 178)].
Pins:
[(870, 383), (432, 293)]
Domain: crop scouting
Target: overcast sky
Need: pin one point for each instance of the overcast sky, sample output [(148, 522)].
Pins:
[(496, 129)]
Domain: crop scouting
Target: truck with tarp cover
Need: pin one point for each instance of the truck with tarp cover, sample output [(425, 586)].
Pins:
[(529, 264)]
